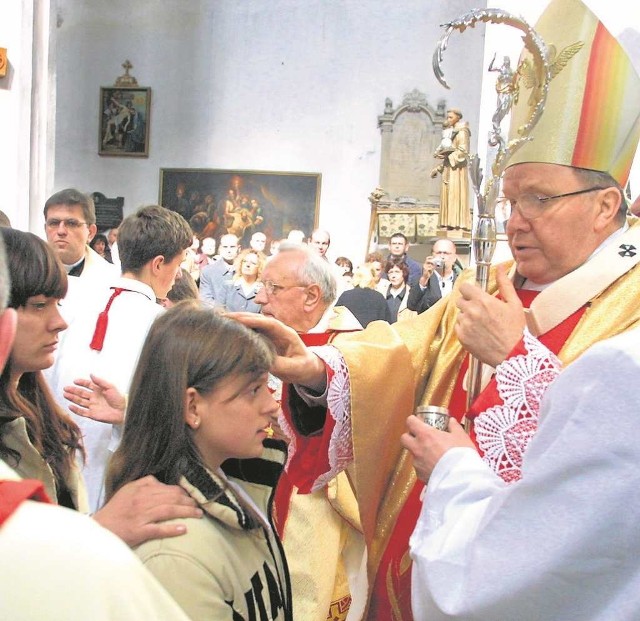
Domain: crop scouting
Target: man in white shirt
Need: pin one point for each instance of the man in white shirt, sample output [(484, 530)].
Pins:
[(107, 334), (70, 224)]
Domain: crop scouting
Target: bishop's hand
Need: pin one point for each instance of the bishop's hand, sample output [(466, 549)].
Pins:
[(489, 327)]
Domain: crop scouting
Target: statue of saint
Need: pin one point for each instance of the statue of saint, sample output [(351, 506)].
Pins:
[(453, 150)]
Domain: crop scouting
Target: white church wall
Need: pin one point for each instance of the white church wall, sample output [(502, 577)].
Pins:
[(255, 85)]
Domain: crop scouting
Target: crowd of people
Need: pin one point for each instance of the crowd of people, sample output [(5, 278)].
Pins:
[(89, 326), (244, 422), (231, 280)]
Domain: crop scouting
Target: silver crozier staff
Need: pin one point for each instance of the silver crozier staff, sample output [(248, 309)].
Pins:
[(483, 240)]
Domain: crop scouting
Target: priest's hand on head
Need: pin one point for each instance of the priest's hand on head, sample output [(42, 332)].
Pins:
[(294, 364), (428, 444), (489, 327)]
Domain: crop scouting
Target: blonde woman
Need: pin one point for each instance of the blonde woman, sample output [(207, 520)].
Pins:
[(240, 293)]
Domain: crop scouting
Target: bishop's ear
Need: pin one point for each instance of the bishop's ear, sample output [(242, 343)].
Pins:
[(609, 201)]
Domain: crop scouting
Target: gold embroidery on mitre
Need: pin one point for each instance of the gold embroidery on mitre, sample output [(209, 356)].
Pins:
[(557, 62)]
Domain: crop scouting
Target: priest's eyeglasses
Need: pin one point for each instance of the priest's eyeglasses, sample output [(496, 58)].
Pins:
[(531, 206), (271, 287)]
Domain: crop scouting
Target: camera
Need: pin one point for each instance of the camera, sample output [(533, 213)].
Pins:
[(438, 263)]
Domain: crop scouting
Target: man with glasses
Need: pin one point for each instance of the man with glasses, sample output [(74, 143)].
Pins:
[(439, 272), (575, 271), (70, 224), (300, 290), (318, 530)]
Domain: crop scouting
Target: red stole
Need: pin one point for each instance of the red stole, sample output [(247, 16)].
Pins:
[(311, 454), (14, 493)]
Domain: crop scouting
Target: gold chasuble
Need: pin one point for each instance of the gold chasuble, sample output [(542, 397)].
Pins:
[(394, 368)]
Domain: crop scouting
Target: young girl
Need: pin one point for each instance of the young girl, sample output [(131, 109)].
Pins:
[(199, 415), (37, 439)]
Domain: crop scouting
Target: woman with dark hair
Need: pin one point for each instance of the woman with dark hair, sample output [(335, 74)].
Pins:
[(37, 439), (100, 244), (199, 415), (398, 291)]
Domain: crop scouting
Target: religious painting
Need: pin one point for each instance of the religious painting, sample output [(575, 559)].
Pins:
[(124, 121), (242, 202)]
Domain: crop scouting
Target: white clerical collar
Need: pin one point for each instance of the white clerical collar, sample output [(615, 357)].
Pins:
[(68, 268), (323, 324)]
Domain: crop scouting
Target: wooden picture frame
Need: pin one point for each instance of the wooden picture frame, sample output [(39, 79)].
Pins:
[(124, 121), (242, 202)]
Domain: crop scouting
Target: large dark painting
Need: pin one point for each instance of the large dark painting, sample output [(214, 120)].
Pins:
[(242, 202)]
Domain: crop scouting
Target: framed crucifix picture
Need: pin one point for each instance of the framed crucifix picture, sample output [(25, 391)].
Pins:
[(124, 121)]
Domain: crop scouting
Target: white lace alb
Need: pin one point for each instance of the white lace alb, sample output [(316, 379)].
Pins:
[(503, 432)]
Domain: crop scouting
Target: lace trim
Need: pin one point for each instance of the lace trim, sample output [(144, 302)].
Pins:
[(290, 433), (504, 431), (274, 384), (339, 408)]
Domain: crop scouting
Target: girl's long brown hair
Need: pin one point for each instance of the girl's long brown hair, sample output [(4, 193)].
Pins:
[(35, 270), (188, 346)]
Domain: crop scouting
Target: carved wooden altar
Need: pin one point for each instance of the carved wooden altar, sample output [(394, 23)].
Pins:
[(408, 199)]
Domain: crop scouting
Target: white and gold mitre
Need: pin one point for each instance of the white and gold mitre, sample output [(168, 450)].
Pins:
[(591, 118)]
